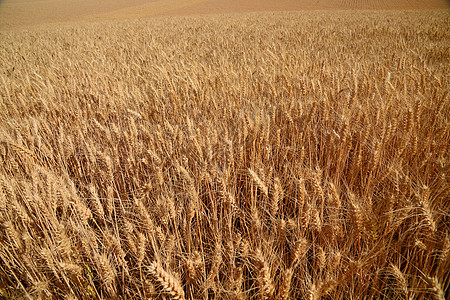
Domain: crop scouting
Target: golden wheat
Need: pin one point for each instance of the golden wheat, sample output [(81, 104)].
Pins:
[(286, 155)]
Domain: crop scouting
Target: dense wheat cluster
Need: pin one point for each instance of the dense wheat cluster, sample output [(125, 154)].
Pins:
[(268, 155)]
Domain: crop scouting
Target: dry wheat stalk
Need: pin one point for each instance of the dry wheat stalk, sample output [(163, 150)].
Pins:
[(295, 170)]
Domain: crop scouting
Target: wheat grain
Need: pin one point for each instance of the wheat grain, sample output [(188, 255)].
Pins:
[(286, 284), (266, 286), (257, 180), (169, 284)]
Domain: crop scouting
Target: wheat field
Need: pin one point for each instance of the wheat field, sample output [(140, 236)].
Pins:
[(284, 155)]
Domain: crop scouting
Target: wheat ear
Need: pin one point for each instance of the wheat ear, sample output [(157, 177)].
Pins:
[(169, 284)]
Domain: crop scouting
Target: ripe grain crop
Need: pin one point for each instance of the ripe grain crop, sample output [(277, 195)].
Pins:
[(267, 155)]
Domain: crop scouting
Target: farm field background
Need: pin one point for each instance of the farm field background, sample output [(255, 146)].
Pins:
[(27, 13), (230, 152)]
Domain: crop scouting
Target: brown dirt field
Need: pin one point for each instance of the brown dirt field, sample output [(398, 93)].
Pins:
[(26, 13)]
